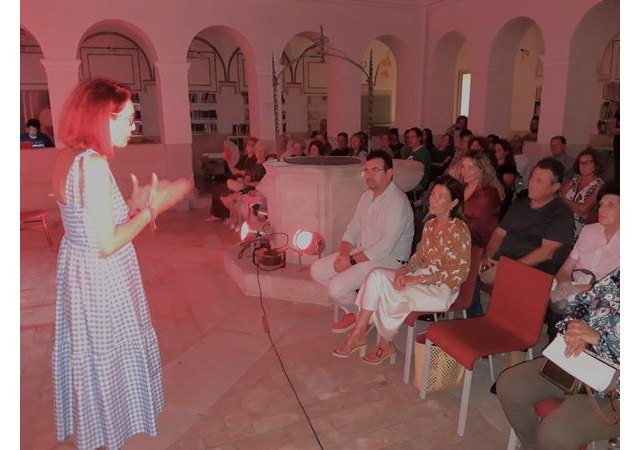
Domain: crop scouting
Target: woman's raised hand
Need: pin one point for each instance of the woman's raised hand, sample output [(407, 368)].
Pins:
[(164, 194), (139, 195)]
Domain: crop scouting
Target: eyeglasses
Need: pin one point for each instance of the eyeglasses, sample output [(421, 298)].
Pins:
[(373, 171), (131, 118)]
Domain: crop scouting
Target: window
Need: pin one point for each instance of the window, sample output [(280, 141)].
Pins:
[(464, 92)]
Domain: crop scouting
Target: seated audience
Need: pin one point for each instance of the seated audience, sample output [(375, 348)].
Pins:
[(218, 210), (580, 192), (507, 172), (297, 148), (252, 175), (283, 140), (358, 146), (597, 251), (430, 281), (343, 145), (379, 234), (558, 148), (315, 148), (537, 230), (405, 151), (396, 145), (34, 136), (592, 320), (481, 198), (461, 149), (458, 128), (481, 207), (441, 156), (427, 139), (421, 154), (321, 136), (385, 143)]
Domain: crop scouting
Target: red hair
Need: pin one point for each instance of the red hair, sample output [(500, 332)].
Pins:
[(84, 122)]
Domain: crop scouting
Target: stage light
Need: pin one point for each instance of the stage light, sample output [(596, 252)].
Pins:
[(308, 242)]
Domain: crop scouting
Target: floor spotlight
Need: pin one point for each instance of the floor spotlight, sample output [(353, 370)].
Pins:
[(306, 242)]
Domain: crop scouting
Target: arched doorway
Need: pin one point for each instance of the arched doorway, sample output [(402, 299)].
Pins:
[(117, 53), (448, 82), (593, 85), (34, 90), (515, 78)]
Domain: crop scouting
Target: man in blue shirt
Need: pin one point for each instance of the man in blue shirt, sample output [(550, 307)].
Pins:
[(33, 135)]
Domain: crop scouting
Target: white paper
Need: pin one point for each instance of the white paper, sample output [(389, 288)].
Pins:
[(592, 371)]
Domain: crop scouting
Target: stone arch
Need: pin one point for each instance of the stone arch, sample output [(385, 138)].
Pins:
[(594, 32), (303, 81), (442, 79), (502, 56)]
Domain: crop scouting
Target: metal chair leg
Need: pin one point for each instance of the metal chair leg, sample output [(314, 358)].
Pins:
[(408, 353), (425, 369), (464, 404), (530, 354)]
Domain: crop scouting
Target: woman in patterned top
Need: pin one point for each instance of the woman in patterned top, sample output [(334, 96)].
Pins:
[(430, 281), (592, 319), (107, 376), (581, 192)]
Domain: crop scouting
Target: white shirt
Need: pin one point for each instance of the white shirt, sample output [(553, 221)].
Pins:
[(383, 226), (592, 252)]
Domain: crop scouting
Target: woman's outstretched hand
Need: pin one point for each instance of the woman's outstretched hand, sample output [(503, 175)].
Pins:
[(164, 194)]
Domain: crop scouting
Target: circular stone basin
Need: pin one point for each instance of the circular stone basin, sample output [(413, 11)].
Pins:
[(322, 160)]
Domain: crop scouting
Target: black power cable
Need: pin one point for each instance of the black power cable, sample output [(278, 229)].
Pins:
[(267, 329)]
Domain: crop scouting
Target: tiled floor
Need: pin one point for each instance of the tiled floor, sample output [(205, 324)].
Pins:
[(224, 386)]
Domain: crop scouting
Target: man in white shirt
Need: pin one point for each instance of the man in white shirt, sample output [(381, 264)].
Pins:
[(379, 234)]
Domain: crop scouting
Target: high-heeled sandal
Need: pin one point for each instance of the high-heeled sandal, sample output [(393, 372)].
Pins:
[(379, 355), (362, 348)]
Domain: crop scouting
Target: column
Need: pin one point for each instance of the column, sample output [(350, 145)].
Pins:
[(261, 117), (62, 77), (343, 102), (553, 103), (489, 107), (174, 118)]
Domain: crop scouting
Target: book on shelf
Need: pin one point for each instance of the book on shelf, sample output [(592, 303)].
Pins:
[(202, 97)]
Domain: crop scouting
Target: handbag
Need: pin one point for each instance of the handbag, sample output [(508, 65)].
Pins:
[(563, 293), (575, 375)]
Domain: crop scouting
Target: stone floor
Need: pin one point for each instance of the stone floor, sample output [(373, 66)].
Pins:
[(224, 386)]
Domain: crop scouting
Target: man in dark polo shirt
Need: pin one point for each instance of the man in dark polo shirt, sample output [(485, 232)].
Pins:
[(536, 230)]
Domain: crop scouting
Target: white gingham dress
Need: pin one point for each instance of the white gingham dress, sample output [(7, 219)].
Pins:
[(106, 365)]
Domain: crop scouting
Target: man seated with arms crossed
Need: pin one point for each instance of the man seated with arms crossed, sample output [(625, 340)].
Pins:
[(379, 234), (537, 230)]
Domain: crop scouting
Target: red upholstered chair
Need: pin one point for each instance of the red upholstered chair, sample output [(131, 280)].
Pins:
[(462, 303), (542, 408), (513, 321), (37, 216)]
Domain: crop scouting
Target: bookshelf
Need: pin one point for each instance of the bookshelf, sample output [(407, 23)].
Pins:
[(204, 115), (610, 104), (137, 120)]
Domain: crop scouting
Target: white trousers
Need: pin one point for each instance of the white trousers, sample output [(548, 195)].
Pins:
[(390, 307), (342, 286)]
